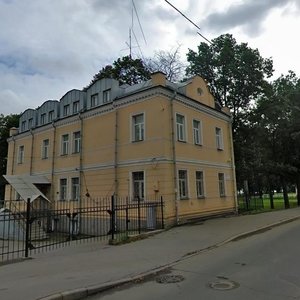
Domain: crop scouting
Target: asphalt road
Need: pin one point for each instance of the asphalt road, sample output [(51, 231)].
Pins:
[(261, 267)]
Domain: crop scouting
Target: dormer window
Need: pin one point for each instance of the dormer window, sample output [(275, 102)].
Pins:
[(75, 107), (43, 119), (106, 96), (66, 111), (51, 116), (30, 123), (23, 126), (94, 100)]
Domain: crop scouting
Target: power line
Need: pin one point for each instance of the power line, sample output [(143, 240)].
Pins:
[(137, 16), (189, 21)]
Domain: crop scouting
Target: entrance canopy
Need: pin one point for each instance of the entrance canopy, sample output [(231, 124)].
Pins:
[(25, 185)]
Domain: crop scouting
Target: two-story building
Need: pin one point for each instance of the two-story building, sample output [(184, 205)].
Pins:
[(152, 139)]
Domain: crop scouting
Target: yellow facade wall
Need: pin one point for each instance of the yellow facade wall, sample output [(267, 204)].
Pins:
[(108, 155)]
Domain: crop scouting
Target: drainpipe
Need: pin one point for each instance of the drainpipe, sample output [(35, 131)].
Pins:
[(31, 154), (13, 163), (116, 154), (174, 158), (53, 163), (233, 165), (80, 158)]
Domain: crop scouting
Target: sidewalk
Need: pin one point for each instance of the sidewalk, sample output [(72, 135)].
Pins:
[(70, 272)]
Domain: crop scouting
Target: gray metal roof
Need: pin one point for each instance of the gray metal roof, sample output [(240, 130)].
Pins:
[(24, 185)]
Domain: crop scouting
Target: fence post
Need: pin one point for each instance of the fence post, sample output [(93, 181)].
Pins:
[(113, 217), (162, 213), (27, 227), (139, 214), (127, 216)]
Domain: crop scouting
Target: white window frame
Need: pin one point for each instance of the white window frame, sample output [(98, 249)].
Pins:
[(65, 144), (76, 107), (75, 189), (181, 128), (139, 135), (197, 132), (222, 184), (63, 189), (45, 149), (43, 118), (51, 115), (107, 96), (219, 138), (21, 154), (76, 142), (141, 183), (200, 182), (94, 100), (66, 110), (183, 185)]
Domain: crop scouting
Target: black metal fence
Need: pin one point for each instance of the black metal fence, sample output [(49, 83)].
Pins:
[(27, 228), (248, 203)]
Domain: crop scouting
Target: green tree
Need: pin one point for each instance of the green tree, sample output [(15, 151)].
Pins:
[(277, 117), (126, 69), (235, 73), (6, 122)]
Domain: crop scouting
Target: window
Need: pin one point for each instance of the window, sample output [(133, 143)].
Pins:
[(65, 144), (45, 149), (138, 185), (63, 189), (197, 132), (75, 189), (43, 119), (21, 155), (23, 126), (76, 142), (106, 95), (180, 127), (30, 123), (199, 184), (66, 111), (138, 128), (51, 116), (75, 107), (183, 186), (219, 139), (94, 100), (221, 178)]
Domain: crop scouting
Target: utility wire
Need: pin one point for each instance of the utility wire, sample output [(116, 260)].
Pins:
[(137, 16), (189, 21)]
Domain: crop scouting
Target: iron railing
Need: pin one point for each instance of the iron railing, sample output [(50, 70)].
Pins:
[(27, 228)]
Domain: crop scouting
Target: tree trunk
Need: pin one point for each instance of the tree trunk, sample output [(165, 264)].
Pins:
[(271, 193), (298, 189), (285, 194)]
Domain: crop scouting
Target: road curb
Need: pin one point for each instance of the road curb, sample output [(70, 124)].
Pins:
[(81, 293)]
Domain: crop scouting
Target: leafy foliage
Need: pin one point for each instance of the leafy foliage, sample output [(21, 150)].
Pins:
[(126, 69), (235, 73), (6, 122)]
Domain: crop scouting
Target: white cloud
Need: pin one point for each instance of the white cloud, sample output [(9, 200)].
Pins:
[(48, 47)]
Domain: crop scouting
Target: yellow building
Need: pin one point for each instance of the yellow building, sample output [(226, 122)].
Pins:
[(152, 139)]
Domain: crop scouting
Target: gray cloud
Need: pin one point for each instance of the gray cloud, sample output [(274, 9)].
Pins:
[(249, 15), (51, 46)]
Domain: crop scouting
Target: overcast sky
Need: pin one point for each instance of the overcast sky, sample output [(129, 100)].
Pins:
[(48, 47)]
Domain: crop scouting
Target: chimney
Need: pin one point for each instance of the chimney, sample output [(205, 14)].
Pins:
[(158, 78), (13, 131)]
